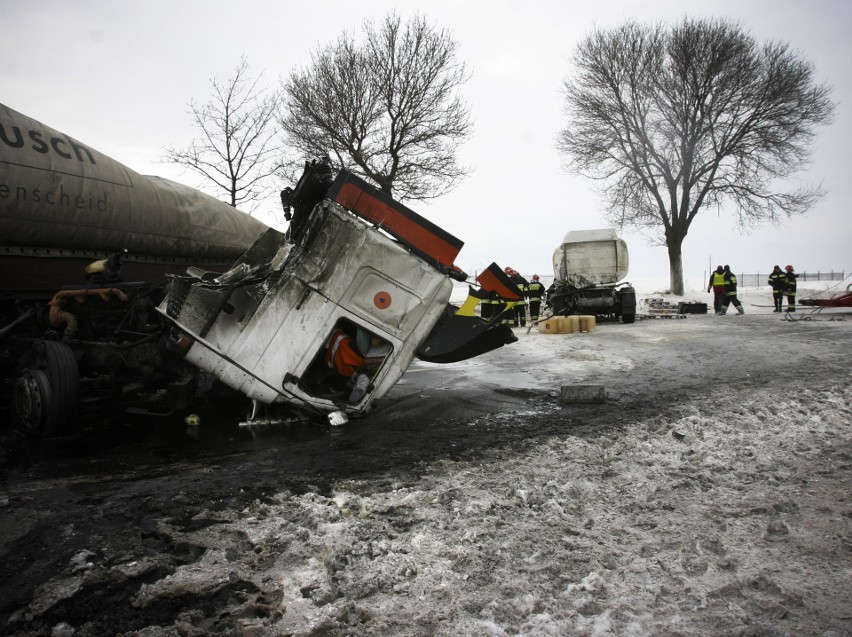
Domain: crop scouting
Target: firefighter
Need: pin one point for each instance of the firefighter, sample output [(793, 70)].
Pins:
[(778, 283), (790, 289), (731, 291), (506, 312), (485, 306), (497, 306), (498, 310), (535, 292), (520, 318), (717, 284)]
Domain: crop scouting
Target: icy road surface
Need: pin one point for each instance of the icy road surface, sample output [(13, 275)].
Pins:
[(709, 495)]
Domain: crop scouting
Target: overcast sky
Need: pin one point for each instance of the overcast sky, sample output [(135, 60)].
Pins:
[(118, 76)]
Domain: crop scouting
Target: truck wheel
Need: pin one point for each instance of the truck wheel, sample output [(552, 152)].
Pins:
[(45, 390), (31, 400), (628, 318)]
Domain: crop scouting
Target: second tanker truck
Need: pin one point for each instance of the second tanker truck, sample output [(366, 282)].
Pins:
[(588, 268)]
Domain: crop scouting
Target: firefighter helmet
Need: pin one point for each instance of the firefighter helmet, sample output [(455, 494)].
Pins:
[(535, 277), (789, 268)]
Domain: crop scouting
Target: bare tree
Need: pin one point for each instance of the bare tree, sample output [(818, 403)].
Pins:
[(239, 148), (674, 121), (386, 109)]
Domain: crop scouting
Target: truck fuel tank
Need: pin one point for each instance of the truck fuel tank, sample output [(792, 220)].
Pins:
[(590, 257)]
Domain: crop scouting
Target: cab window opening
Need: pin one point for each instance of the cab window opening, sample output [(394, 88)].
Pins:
[(346, 363)]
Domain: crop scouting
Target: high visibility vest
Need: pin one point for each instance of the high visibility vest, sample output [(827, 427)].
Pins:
[(718, 281), (341, 355)]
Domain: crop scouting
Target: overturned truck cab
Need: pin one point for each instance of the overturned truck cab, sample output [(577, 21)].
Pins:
[(324, 319)]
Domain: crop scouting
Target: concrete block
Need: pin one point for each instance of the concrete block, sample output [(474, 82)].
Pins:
[(583, 394)]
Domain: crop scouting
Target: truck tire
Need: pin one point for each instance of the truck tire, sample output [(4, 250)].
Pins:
[(46, 389), (627, 304)]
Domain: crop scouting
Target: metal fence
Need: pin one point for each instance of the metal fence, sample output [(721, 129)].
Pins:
[(758, 280)]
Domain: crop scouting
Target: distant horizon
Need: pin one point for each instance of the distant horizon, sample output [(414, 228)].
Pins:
[(645, 286)]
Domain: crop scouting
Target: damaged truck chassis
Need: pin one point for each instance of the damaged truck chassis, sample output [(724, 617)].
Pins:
[(354, 264), (90, 350)]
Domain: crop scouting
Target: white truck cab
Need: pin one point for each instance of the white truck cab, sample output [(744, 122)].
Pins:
[(355, 263)]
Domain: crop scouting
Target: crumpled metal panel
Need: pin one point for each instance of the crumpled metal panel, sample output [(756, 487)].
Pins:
[(269, 325)]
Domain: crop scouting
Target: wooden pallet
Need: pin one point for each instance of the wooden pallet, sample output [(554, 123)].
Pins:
[(667, 315), (660, 308)]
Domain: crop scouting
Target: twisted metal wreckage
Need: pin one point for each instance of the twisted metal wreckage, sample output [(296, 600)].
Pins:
[(164, 304), (355, 264)]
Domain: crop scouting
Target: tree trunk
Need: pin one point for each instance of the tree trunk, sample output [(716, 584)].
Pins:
[(675, 266)]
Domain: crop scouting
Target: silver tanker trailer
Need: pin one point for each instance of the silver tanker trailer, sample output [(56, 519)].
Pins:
[(588, 268), (85, 247)]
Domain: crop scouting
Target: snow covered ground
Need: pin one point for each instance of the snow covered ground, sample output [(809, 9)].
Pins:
[(731, 518), (708, 495)]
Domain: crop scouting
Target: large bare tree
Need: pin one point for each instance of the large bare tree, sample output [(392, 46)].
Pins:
[(678, 120), (386, 108), (239, 148)]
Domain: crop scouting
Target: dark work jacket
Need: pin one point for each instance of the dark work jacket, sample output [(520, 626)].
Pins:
[(778, 281), (791, 282), (535, 291), (730, 283), (522, 284)]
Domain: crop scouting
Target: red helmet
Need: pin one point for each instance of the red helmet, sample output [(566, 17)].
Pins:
[(789, 268), (535, 277), (507, 270)]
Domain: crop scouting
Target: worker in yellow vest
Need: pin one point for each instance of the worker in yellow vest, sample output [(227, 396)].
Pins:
[(717, 284)]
